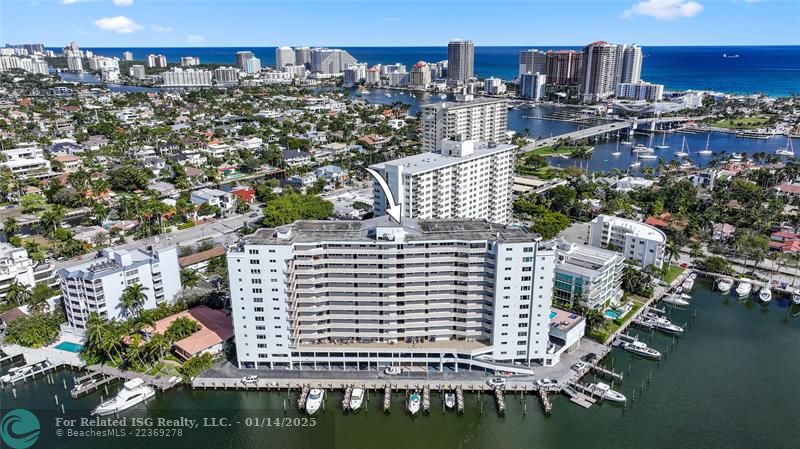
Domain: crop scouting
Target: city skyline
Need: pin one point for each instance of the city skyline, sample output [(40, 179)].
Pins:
[(131, 23)]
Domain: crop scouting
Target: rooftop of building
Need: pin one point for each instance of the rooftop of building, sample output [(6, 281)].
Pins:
[(564, 320), (465, 104), (637, 228), (111, 261), (215, 328), (384, 228), (585, 260), (421, 163)]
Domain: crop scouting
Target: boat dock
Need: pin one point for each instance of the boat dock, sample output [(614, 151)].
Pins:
[(6, 357), (31, 371), (90, 382), (603, 371), (547, 406), (500, 399)]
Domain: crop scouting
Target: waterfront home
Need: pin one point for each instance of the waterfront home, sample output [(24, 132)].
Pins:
[(296, 157), (69, 162), (785, 242), (587, 274), (788, 189), (216, 327), (637, 241)]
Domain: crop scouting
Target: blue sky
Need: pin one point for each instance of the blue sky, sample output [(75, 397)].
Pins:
[(222, 23)]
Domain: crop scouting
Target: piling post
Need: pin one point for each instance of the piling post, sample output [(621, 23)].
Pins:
[(14, 392), (55, 396), (62, 409)]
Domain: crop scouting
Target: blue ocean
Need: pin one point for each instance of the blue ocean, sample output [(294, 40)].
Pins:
[(772, 70)]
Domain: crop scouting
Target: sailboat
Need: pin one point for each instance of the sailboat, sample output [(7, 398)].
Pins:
[(682, 153), (788, 150), (616, 152), (706, 151), (663, 145), (636, 163)]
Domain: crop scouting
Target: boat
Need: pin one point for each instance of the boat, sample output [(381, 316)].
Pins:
[(765, 294), (636, 163), (727, 56), (796, 298), (736, 157), (625, 142), (356, 398), (18, 372), (641, 349), (682, 153), (705, 151), (314, 401), (616, 152), (675, 300), (133, 392), (648, 156), (387, 94), (663, 145), (639, 148), (687, 284), (665, 325), (788, 150), (605, 392), (414, 401), (724, 285), (449, 399), (569, 391), (443, 96), (693, 275), (685, 296), (744, 288)]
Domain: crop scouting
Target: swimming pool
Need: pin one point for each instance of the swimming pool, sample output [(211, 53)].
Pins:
[(552, 314), (611, 314), (69, 346)]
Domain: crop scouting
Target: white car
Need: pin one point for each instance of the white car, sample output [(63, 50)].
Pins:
[(580, 366), (496, 382), (545, 383), (249, 379), (393, 370)]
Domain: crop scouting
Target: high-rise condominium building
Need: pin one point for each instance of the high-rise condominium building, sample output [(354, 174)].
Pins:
[(564, 67), (475, 119), (599, 71), (242, 57), (420, 76), (460, 60), (465, 180), (32, 65), (189, 61), (156, 61), (587, 275), (531, 85), (97, 286), (640, 242), (302, 56), (187, 77), (127, 56), (330, 60), (367, 294), (641, 91), (137, 71), (75, 63), (226, 75), (284, 56), (355, 74), (494, 86), (629, 66), (532, 61), (252, 65)]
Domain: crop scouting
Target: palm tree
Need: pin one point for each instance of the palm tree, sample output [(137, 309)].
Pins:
[(17, 292), (10, 226), (189, 278), (695, 250), (132, 299), (37, 301), (672, 251)]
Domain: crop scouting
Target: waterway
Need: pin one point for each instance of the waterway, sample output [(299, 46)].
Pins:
[(730, 382)]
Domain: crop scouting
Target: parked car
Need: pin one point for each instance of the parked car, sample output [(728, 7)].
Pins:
[(590, 357), (545, 383), (580, 366), (393, 370), (496, 382)]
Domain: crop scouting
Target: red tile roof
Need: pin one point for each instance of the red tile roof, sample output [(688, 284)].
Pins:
[(215, 328)]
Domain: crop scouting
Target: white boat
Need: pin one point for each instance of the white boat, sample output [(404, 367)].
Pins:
[(693, 275), (569, 391), (133, 392), (786, 151), (314, 401), (736, 157), (616, 152), (796, 298), (681, 152), (648, 156), (387, 94), (724, 285), (443, 96), (18, 372), (687, 284), (641, 349), (636, 163), (356, 398), (639, 148), (663, 145), (449, 400), (765, 294), (414, 401), (665, 325), (685, 296), (675, 300), (705, 151), (743, 289), (605, 391), (625, 142)]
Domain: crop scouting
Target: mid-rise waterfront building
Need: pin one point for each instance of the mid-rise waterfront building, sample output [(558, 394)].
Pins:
[(599, 71), (295, 71), (330, 60), (189, 61), (252, 65), (98, 63), (472, 119), (494, 86), (156, 61), (420, 76), (587, 275), (532, 61), (398, 79), (386, 69), (368, 294), (373, 75), (138, 71), (15, 266), (460, 60), (74, 63), (302, 56), (27, 162), (96, 286), (641, 91), (563, 67), (639, 242), (531, 85), (226, 75), (464, 180), (187, 77), (284, 56), (355, 74), (127, 56), (242, 57), (32, 65)]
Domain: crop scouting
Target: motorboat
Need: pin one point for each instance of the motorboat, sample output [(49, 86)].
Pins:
[(665, 325), (639, 148), (133, 392), (641, 349), (687, 284), (414, 401), (693, 275), (356, 398), (569, 391), (393, 370), (636, 163), (314, 401), (705, 151), (788, 150), (765, 294), (681, 152), (744, 288), (625, 142), (796, 298), (605, 392), (449, 399), (736, 157), (675, 300), (16, 373), (648, 156), (724, 285)]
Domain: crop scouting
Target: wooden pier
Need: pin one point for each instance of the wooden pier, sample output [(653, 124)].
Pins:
[(460, 399), (348, 392), (42, 367), (426, 399), (603, 371), (301, 401), (90, 382)]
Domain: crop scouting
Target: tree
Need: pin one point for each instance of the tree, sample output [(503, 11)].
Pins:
[(129, 178), (189, 278), (17, 292), (35, 330), (672, 251), (549, 224), (37, 302), (291, 207), (132, 299), (181, 328), (32, 203), (10, 227)]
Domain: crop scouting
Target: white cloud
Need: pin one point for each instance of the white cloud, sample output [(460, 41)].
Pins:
[(118, 24), (664, 9), (123, 2), (194, 39), (160, 29), (72, 2)]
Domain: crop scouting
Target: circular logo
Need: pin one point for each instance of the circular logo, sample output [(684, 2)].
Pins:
[(19, 429)]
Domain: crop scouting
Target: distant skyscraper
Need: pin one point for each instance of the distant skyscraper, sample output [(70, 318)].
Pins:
[(252, 65), (284, 56), (630, 68), (156, 61), (302, 56), (532, 61), (75, 63), (531, 85), (563, 67), (243, 56), (189, 61), (330, 60), (460, 60), (127, 56), (420, 76), (599, 71), (137, 71), (481, 119)]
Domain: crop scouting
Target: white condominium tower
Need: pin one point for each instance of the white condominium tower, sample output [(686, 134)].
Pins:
[(637, 241), (465, 180), (284, 56), (367, 294), (475, 119), (599, 71), (460, 60), (629, 64), (96, 286), (532, 61)]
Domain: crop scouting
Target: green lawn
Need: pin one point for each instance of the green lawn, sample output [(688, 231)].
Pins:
[(601, 333), (673, 273), (741, 123), (549, 150)]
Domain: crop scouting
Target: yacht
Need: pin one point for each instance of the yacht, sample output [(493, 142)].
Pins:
[(569, 391), (636, 163), (765, 294), (705, 151), (16, 373), (625, 142), (605, 391), (788, 150), (616, 152), (648, 156), (356, 398), (443, 96), (736, 157), (449, 399), (641, 349), (727, 56), (675, 300), (681, 152), (796, 298), (639, 148), (663, 145), (665, 325), (414, 401), (133, 392), (387, 94), (744, 288), (724, 285), (687, 284), (314, 401)]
